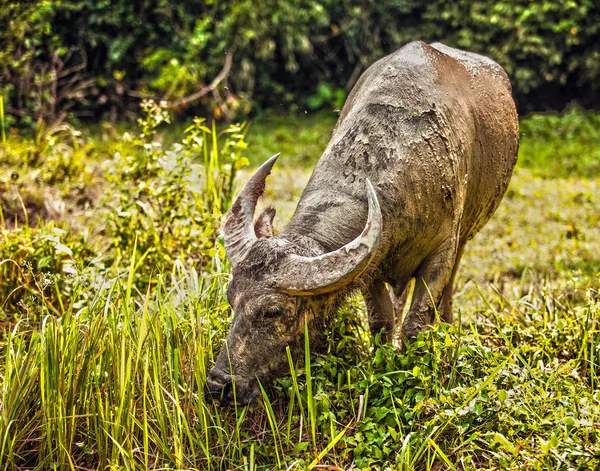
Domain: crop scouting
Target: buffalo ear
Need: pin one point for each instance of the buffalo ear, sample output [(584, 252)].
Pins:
[(263, 227)]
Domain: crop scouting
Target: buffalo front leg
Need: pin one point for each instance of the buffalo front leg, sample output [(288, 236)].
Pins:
[(430, 280), (380, 308)]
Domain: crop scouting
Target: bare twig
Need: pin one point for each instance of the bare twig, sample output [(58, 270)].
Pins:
[(222, 105), (208, 88), (355, 74)]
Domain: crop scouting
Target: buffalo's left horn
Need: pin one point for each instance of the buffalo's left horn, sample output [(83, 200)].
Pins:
[(239, 228), (325, 273)]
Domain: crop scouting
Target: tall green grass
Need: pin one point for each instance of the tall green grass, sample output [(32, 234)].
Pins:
[(2, 123), (101, 371), (119, 384)]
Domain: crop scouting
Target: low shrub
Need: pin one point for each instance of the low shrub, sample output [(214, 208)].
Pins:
[(39, 268), (167, 202), (162, 204)]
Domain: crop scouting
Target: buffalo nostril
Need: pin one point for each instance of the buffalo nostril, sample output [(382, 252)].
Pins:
[(218, 387), (228, 389)]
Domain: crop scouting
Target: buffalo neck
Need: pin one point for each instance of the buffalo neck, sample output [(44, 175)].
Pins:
[(326, 219)]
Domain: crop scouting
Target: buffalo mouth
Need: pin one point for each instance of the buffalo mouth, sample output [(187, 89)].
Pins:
[(228, 390)]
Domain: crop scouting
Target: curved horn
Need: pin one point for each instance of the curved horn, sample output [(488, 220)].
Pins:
[(331, 271), (239, 228)]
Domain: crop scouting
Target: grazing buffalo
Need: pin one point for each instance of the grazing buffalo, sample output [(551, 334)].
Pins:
[(419, 160)]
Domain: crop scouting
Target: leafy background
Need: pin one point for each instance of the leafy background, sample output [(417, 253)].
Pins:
[(99, 58)]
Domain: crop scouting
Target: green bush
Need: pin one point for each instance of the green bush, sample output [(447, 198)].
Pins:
[(166, 203), (40, 269), (162, 204), (294, 53)]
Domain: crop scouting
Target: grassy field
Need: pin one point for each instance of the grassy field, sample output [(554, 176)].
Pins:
[(113, 310)]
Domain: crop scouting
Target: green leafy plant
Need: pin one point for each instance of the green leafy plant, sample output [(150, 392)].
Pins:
[(325, 96), (167, 203), (39, 268)]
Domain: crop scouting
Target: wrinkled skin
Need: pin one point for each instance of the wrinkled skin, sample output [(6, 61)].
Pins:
[(266, 321), (435, 131)]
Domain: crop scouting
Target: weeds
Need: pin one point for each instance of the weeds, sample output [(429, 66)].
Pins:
[(120, 383), (169, 202), (103, 359)]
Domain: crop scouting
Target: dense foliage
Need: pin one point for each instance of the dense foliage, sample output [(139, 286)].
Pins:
[(162, 201), (58, 56)]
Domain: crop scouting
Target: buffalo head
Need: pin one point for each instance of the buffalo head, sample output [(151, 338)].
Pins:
[(278, 286)]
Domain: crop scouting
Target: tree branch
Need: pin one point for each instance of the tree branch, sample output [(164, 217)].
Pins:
[(208, 88)]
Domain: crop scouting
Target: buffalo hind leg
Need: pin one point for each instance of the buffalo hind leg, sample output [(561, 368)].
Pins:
[(447, 302), (400, 297), (380, 308), (430, 280)]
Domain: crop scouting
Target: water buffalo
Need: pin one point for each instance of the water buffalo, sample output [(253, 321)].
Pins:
[(418, 162)]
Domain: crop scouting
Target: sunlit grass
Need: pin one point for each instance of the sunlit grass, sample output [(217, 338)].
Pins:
[(119, 383), (110, 373), (561, 145)]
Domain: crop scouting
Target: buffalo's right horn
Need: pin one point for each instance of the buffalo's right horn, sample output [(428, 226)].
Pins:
[(329, 272), (239, 228)]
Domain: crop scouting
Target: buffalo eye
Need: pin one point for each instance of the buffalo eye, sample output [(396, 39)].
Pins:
[(273, 312)]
